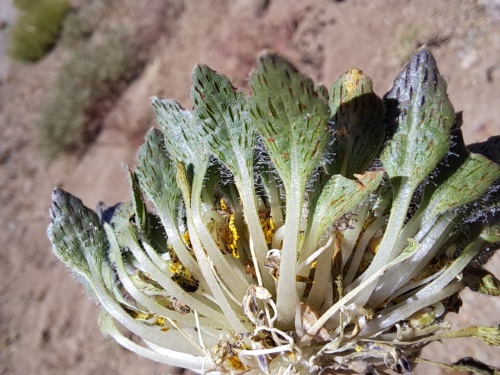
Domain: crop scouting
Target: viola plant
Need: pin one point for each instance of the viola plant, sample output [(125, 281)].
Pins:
[(298, 230)]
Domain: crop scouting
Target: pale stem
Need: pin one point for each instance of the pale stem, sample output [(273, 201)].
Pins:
[(174, 358), (231, 274), (287, 290), (403, 193), (259, 248)]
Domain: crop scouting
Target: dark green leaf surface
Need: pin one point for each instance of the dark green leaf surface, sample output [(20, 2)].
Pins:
[(470, 181), (141, 215), (157, 173), (157, 176), (225, 123), (77, 237), (357, 117), (181, 131), (289, 115), (419, 116), (341, 195)]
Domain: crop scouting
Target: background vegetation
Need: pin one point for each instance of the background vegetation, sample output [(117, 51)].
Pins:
[(37, 28), (88, 82)]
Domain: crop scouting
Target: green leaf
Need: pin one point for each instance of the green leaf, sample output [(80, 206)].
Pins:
[(182, 133), (141, 214), (291, 118), (227, 128), (481, 281), (293, 123), (471, 176), (419, 117), (75, 232), (225, 122), (487, 207), (491, 232), (156, 173), (357, 117), (341, 195), (489, 335), (121, 217)]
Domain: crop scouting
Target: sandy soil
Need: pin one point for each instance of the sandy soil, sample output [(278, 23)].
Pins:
[(47, 325)]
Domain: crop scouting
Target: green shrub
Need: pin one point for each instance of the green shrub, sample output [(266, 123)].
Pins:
[(87, 85), (25, 4), (37, 30)]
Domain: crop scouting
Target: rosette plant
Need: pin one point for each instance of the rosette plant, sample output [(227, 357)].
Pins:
[(298, 230)]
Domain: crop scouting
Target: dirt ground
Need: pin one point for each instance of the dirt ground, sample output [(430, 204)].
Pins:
[(47, 325)]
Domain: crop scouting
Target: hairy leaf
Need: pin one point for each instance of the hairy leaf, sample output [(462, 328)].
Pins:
[(77, 237), (419, 116), (289, 115), (225, 122), (357, 117), (181, 132), (462, 178), (157, 173), (341, 195), (141, 214), (157, 176)]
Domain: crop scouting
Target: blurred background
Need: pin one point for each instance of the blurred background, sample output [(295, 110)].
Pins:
[(75, 81)]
